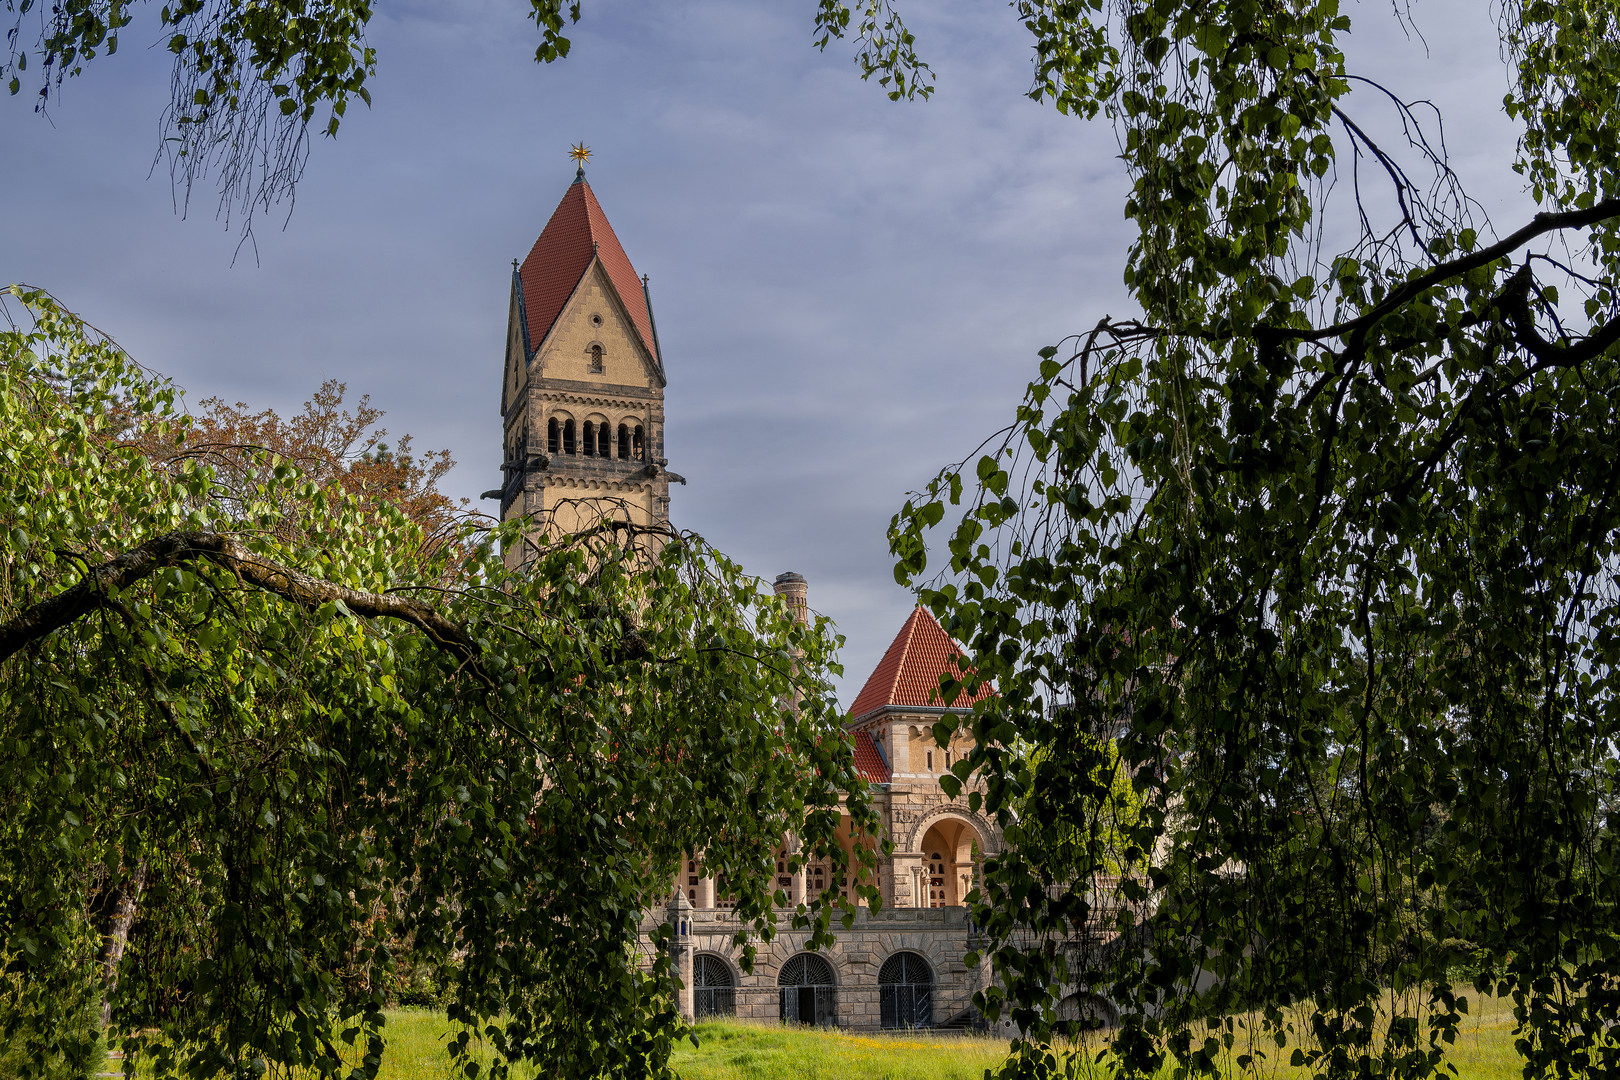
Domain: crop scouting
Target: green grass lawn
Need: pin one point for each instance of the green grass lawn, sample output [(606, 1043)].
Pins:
[(735, 1050)]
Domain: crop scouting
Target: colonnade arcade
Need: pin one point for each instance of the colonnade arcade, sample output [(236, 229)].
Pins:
[(940, 872), (596, 438)]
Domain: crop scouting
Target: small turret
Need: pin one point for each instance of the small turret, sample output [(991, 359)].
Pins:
[(797, 590), (680, 949)]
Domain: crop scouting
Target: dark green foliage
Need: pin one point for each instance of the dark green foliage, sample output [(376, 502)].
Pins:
[(500, 767), (1335, 535), (48, 1032)]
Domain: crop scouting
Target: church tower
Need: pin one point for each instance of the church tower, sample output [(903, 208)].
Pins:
[(582, 395)]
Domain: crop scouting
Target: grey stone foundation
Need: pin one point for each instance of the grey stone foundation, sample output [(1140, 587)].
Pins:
[(941, 936)]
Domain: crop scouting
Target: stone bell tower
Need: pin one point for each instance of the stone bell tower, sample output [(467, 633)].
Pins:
[(582, 395)]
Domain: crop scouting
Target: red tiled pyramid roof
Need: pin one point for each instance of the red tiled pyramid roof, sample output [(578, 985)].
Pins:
[(577, 230), (868, 761), (908, 675)]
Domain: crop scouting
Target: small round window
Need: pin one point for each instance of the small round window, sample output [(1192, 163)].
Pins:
[(596, 320)]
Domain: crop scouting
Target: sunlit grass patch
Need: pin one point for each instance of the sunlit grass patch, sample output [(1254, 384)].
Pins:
[(737, 1050), (742, 1050)]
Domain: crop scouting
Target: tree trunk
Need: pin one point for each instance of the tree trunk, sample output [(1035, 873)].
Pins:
[(112, 945)]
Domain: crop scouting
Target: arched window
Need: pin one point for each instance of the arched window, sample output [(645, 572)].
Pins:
[(906, 992), (590, 439), (604, 440), (553, 436), (624, 442), (641, 446), (806, 983), (936, 879), (714, 989), (568, 437), (597, 366)]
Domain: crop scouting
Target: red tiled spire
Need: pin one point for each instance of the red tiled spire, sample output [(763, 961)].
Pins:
[(578, 230), (908, 675)]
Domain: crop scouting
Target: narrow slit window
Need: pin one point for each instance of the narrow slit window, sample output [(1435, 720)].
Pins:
[(553, 436), (641, 445), (568, 437), (624, 442), (590, 439)]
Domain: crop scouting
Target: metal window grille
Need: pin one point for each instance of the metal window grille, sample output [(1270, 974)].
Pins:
[(714, 990), (906, 992), (808, 994)]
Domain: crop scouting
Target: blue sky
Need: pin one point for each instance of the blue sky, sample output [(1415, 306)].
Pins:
[(850, 292)]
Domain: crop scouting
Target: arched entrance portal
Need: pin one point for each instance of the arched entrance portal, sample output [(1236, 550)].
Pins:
[(948, 863), (806, 982)]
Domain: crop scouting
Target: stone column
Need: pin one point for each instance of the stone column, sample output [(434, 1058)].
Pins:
[(919, 893), (680, 948), (705, 891), (796, 890)]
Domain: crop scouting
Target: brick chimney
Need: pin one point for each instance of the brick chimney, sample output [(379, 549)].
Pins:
[(797, 590)]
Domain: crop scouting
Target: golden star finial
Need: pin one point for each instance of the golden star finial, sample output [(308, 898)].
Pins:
[(580, 153)]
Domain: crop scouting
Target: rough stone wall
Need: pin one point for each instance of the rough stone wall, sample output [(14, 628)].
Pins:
[(940, 935)]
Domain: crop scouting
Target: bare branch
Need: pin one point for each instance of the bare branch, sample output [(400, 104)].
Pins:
[(102, 583)]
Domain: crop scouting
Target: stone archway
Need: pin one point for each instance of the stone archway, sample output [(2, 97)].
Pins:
[(950, 842)]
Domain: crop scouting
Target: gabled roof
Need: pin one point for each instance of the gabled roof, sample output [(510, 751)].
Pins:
[(869, 760), (908, 675), (577, 231)]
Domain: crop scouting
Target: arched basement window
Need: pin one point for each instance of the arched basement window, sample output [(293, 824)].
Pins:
[(568, 437), (641, 446), (714, 990), (590, 439), (906, 992), (624, 442), (553, 436), (597, 366), (807, 989)]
